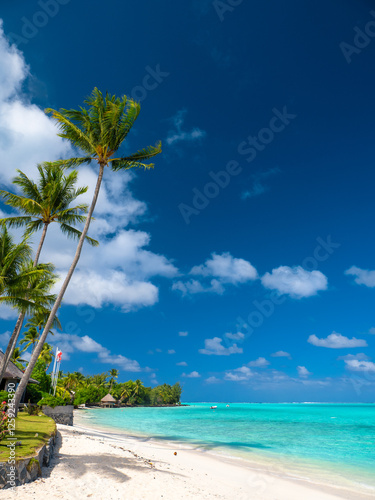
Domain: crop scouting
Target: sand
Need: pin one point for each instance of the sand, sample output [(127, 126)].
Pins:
[(97, 465)]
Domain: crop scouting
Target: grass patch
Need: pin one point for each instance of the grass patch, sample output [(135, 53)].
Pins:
[(27, 426)]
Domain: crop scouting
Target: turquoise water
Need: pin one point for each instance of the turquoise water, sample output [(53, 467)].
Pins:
[(337, 440)]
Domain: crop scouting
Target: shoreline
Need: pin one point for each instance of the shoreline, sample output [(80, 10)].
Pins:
[(94, 463), (325, 476)]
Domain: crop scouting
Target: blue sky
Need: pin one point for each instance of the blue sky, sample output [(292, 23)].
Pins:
[(243, 264)]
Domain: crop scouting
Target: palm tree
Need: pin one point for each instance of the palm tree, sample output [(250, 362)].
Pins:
[(33, 294), (40, 204), (70, 381), (114, 375), (18, 274), (39, 319), (17, 356), (99, 131), (30, 338), (46, 354)]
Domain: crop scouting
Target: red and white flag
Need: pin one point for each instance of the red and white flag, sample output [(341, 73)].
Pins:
[(58, 356)]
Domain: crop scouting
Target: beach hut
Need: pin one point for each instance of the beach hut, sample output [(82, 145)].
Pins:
[(12, 375), (108, 401)]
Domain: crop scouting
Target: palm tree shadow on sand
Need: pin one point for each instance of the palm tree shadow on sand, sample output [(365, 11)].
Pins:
[(105, 465)]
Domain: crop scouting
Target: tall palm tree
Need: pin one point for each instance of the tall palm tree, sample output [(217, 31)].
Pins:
[(41, 203), (99, 131), (114, 375)]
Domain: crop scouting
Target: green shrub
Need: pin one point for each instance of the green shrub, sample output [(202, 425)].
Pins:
[(53, 401), (3, 396), (32, 409), (34, 393)]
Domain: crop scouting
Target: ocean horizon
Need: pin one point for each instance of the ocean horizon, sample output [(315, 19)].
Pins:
[(327, 443)]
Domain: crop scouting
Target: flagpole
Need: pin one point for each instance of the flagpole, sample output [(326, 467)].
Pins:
[(53, 372)]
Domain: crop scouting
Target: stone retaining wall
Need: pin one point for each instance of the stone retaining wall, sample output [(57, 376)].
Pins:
[(27, 470), (60, 414)]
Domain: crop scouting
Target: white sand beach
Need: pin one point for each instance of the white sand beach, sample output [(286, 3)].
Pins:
[(97, 465)]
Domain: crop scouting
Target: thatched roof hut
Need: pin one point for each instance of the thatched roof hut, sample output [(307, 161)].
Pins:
[(108, 401), (12, 374)]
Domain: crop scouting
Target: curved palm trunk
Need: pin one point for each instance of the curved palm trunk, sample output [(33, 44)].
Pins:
[(17, 329), (26, 376)]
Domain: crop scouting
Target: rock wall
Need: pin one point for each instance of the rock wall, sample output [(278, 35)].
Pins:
[(60, 414), (27, 470)]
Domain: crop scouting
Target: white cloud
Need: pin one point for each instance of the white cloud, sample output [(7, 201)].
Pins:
[(178, 135), (235, 336), (362, 276), (96, 290), (356, 365), (4, 339), (372, 331), (193, 374), (183, 334), (212, 380), (70, 343), (303, 371), (27, 137), (360, 356), (214, 347), (181, 363), (259, 362), (171, 351), (153, 379), (239, 374), (295, 281), (281, 354), (7, 312), (217, 272), (227, 269), (336, 341)]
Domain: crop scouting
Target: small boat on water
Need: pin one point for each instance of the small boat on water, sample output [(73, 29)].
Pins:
[(213, 407), (227, 406)]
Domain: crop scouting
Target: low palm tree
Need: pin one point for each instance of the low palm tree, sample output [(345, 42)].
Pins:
[(17, 356), (98, 131), (39, 319), (41, 203), (46, 354), (69, 382), (17, 274), (30, 338)]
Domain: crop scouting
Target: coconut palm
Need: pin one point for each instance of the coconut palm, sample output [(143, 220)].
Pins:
[(18, 274), (17, 356), (46, 354), (69, 382), (41, 203), (114, 375), (39, 319), (33, 294), (99, 131), (30, 338)]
